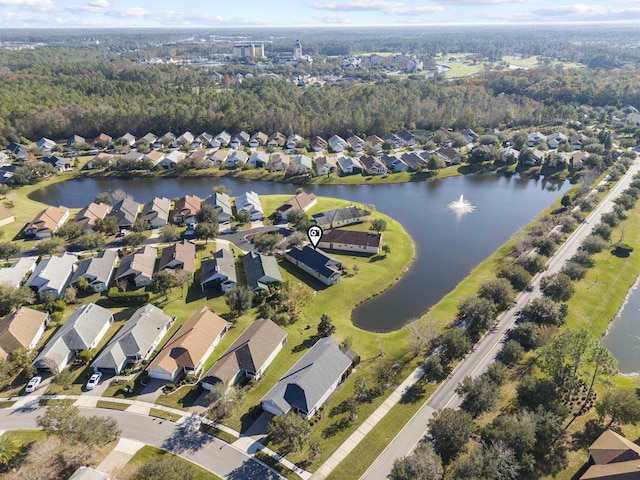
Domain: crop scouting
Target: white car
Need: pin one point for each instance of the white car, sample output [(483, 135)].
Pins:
[(94, 380), (33, 384)]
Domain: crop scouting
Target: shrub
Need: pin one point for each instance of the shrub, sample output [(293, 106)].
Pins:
[(127, 297)]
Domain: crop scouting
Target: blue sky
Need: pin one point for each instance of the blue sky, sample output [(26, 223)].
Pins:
[(217, 13)]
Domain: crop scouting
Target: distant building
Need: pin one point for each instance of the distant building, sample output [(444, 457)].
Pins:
[(248, 50)]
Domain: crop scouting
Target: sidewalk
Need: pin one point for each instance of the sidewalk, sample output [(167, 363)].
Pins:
[(120, 455)]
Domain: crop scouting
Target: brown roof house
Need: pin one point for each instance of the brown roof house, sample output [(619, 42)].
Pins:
[(47, 222), (351, 241), (179, 257), (87, 217), (190, 347), (302, 201), (6, 217), (185, 209), (613, 457), (22, 328), (249, 356)]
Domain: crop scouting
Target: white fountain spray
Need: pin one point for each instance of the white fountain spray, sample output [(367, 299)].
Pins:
[(461, 206)]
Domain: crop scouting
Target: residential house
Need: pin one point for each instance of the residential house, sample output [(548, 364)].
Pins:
[(260, 270), (150, 138), (340, 217), (179, 257), (578, 158), (125, 212), (293, 140), (316, 263), (133, 156), (259, 159), (395, 164), (221, 140), (509, 154), (22, 328), (186, 352), (373, 165), (356, 143), (249, 356), (239, 139), (86, 218), (186, 209), (301, 163), (534, 137), (450, 155), (394, 140), (204, 139), (103, 138), (276, 139), (219, 272), (350, 165), (154, 156), (61, 164), (101, 160), (74, 140), (258, 139), (407, 137), (97, 270), (374, 142), (156, 212), (613, 457), (537, 156), (127, 139), (7, 172), (135, 341), (469, 135), (172, 159), (21, 152), (137, 268), (6, 217), (52, 275), (84, 329), (167, 139), (237, 158), (278, 162), (221, 203), (351, 241), (555, 140), (45, 144), (302, 201), (4, 158), (318, 144), (310, 382), (15, 275), (47, 222), (326, 165), (250, 202), (186, 138), (219, 157), (577, 140), (337, 144)]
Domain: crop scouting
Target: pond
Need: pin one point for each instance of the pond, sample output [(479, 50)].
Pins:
[(448, 246)]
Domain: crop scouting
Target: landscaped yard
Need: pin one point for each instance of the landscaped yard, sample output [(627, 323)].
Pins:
[(149, 454)]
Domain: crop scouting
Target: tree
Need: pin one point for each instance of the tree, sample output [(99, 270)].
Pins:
[(620, 405), (169, 233), (243, 217), (4, 189), (140, 225), (299, 220), (291, 430), (422, 464), (479, 395), (8, 249), (326, 328), (517, 432), (107, 225), (69, 295), (66, 422), (558, 287), (59, 420), (478, 313), (12, 297), (207, 214), (574, 271), (239, 299), (433, 369), (161, 283), (222, 188), (455, 343), (546, 245), (133, 240), (206, 231), (50, 246), (610, 219), (511, 353), (517, 275), (167, 467), (91, 240), (450, 430), (386, 248), (70, 231), (435, 163), (603, 230), (224, 400), (267, 242), (583, 258), (526, 334), (378, 225), (499, 291), (594, 244)]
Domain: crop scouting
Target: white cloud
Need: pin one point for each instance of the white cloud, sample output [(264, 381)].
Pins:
[(479, 2), (584, 13), (99, 3), (39, 5), (332, 19), (357, 6), (415, 11)]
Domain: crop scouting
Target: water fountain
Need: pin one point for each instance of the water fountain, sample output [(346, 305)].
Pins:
[(461, 206)]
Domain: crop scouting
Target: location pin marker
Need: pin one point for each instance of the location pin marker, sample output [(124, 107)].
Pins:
[(315, 234)]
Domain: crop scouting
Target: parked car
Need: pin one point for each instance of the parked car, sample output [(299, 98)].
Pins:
[(33, 384), (94, 380)]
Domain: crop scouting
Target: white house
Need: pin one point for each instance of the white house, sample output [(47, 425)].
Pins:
[(250, 202)]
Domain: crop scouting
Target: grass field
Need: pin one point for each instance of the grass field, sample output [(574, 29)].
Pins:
[(149, 454), (112, 405), (528, 62)]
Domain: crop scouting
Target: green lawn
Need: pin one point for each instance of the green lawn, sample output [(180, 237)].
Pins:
[(156, 412), (529, 62), (149, 454), (112, 405)]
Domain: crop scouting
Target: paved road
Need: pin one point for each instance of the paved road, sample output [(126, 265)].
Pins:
[(183, 439), (485, 351)]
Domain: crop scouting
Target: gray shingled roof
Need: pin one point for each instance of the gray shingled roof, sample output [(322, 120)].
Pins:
[(52, 273), (316, 260), (98, 269), (125, 212), (221, 263), (260, 270), (308, 380), (331, 216)]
